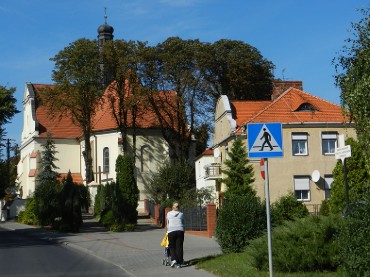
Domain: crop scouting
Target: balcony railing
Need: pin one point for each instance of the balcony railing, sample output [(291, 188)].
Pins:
[(212, 171)]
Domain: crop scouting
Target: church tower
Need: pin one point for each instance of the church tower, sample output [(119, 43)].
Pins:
[(105, 32)]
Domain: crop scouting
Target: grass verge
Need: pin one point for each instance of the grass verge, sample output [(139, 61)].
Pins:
[(236, 264)]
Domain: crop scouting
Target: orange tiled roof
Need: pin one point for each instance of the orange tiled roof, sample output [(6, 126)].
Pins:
[(59, 126), (64, 127), (76, 177), (285, 109), (145, 118)]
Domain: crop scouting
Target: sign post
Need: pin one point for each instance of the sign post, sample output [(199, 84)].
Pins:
[(265, 140)]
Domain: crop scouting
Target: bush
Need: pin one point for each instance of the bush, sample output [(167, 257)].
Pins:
[(304, 245), (241, 219), (47, 202), (107, 219), (287, 208), (354, 254), (28, 215)]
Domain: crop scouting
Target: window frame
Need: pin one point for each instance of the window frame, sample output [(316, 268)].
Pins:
[(299, 137), (301, 188), (327, 137), (106, 160)]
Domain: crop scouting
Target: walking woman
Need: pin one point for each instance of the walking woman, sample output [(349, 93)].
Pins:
[(175, 230)]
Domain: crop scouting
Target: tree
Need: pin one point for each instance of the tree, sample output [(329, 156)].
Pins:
[(353, 78), (128, 190), (236, 69), (7, 111), (120, 59), (172, 181), (47, 192), (7, 105), (202, 137), (47, 171), (239, 173), (77, 90), (357, 176), (71, 205)]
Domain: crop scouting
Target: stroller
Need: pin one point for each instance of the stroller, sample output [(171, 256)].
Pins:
[(167, 256)]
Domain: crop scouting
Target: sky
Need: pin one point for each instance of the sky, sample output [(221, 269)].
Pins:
[(301, 38)]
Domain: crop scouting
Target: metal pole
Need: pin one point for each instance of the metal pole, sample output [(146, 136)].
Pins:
[(269, 240), (345, 179)]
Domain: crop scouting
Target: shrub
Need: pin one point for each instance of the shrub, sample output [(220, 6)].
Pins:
[(47, 202), (28, 215), (354, 254), (303, 245), (107, 219), (287, 208), (241, 219)]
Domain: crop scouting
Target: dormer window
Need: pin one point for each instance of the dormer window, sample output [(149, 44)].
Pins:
[(306, 107)]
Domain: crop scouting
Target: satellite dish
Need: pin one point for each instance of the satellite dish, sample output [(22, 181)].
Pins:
[(216, 152), (315, 176)]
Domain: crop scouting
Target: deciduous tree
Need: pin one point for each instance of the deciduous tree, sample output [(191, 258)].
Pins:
[(78, 89), (353, 78)]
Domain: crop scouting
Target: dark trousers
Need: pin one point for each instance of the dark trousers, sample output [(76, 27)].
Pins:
[(176, 242)]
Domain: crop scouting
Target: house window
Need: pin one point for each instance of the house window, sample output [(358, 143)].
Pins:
[(299, 144), (302, 188), (106, 160), (328, 143), (328, 181)]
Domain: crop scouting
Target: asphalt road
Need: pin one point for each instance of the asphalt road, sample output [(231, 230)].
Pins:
[(27, 256)]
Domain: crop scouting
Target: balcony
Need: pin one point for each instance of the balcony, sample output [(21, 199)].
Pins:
[(212, 171)]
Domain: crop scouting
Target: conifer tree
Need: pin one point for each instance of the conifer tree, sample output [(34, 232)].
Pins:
[(239, 173), (71, 216), (48, 168), (128, 190), (47, 192)]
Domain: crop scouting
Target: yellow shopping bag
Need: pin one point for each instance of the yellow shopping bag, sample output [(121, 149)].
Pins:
[(164, 241)]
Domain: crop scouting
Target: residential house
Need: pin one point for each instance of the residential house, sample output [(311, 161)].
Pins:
[(310, 129)]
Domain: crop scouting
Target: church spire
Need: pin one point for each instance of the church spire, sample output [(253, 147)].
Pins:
[(105, 31)]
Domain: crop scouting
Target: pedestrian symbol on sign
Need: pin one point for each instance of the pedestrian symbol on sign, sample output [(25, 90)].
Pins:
[(265, 140)]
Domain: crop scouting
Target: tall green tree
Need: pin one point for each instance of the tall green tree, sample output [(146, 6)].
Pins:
[(128, 189), (239, 173), (46, 196), (172, 181), (357, 176), (71, 205), (121, 59), (7, 111), (7, 105), (78, 89), (353, 78), (236, 69), (48, 167)]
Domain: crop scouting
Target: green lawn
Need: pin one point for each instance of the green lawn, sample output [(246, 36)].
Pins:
[(232, 265)]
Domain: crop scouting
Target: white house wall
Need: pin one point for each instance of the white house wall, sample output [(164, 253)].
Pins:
[(151, 152)]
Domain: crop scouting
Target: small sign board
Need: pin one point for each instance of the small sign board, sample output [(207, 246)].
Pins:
[(343, 152)]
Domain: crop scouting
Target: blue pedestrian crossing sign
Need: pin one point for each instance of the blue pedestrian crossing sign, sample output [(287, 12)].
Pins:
[(265, 140)]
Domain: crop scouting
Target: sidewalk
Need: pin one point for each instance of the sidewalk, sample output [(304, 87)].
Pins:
[(138, 253)]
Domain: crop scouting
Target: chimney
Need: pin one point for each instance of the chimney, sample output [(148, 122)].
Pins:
[(280, 86)]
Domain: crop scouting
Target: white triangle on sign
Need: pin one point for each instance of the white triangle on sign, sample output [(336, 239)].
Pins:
[(265, 142)]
